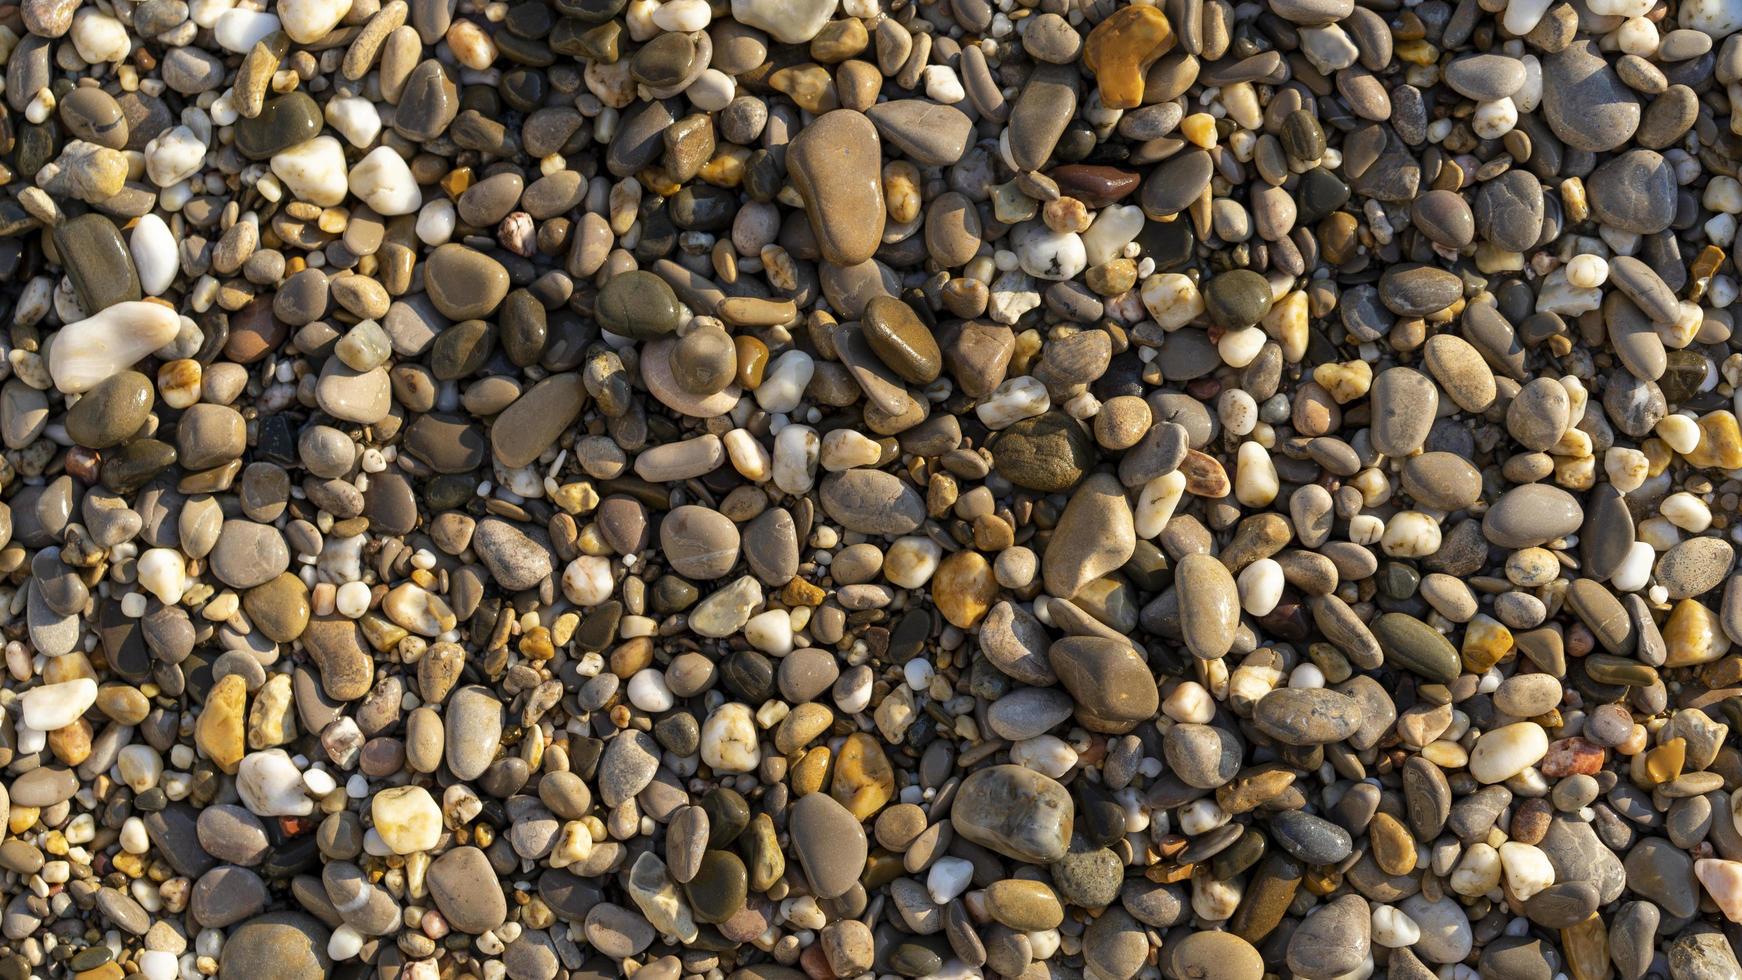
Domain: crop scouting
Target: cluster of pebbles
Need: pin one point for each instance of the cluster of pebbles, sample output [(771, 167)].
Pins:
[(806, 489)]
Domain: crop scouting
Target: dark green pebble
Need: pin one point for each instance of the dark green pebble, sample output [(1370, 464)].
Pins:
[(97, 261), (107, 414), (135, 464), (728, 814), (914, 960), (524, 329), (638, 305), (283, 122), (462, 349), (719, 889), (1237, 299)]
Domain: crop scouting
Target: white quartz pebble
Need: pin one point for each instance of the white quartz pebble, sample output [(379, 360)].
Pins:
[(271, 786), (94, 349), (163, 573), (52, 707), (154, 254), (174, 156), (314, 171), (239, 30), (384, 182), (307, 21), (355, 118)]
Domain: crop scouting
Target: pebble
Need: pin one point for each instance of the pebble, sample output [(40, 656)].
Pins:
[(1215, 490)]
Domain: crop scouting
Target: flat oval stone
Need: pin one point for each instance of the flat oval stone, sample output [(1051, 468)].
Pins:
[(1307, 716), (835, 163), (537, 419), (1531, 515), (1209, 606), (900, 340), (97, 261), (1404, 403), (248, 554), (464, 887), (637, 304), (872, 502), (830, 843), (1413, 645), (463, 283)]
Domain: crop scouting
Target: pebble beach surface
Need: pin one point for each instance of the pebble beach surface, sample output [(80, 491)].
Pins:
[(813, 489)]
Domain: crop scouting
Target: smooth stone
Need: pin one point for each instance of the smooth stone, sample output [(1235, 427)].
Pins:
[(1403, 404), (1531, 515), (1209, 606), (1307, 716), (1585, 103), (248, 554), (278, 946), (1095, 535), (1016, 812), (464, 284), (111, 412), (1109, 681), (464, 887), (97, 262), (835, 163), (929, 134), (282, 123), (829, 843)]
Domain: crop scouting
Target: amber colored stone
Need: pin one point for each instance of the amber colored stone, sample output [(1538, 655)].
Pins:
[(1169, 874), (752, 361), (810, 773), (1205, 476), (963, 588), (1120, 50), (1486, 642), (1693, 635), (220, 727), (811, 86), (864, 780), (1664, 763), (1704, 267), (1586, 947), (1720, 444)]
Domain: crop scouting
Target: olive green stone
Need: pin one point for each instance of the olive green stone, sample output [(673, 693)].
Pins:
[(1237, 299), (638, 305), (728, 815), (719, 889), (97, 261), (1048, 453), (1417, 647), (663, 61), (284, 122), (704, 360), (461, 349), (914, 960), (760, 848), (134, 464), (279, 609), (107, 414)]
